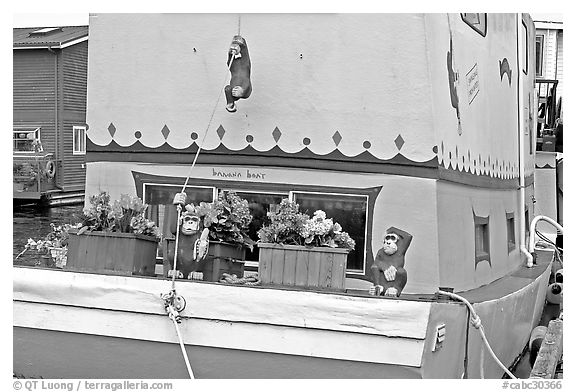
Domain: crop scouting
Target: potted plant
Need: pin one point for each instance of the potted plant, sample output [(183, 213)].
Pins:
[(227, 219), (54, 245), (299, 250), (114, 238)]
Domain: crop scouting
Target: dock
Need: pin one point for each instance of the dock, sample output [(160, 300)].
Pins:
[(550, 353)]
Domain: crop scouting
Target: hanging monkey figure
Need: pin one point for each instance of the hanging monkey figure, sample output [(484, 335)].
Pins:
[(193, 240), (240, 85)]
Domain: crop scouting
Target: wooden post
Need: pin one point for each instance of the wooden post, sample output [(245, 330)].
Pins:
[(550, 352)]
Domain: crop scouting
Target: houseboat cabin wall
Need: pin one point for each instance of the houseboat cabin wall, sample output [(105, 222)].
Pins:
[(478, 200), (74, 72), (344, 116)]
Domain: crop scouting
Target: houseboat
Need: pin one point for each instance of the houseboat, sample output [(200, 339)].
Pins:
[(421, 122), (49, 113)]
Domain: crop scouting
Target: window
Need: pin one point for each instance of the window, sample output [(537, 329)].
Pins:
[(476, 21), (350, 211), (260, 203), (524, 47), (26, 140), (352, 208), (511, 232), (159, 197), (539, 54), (78, 140), (482, 238)]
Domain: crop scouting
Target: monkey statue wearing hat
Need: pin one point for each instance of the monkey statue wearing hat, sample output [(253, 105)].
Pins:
[(192, 241), (240, 85), (388, 269)]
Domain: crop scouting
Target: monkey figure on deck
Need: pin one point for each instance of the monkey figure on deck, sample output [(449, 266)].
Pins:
[(192, 240), (388, 269), (240, 85)]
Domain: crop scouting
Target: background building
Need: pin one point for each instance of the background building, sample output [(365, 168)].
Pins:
[(49, 111)]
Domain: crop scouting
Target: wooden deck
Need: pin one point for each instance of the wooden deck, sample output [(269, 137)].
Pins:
[(550, 352)]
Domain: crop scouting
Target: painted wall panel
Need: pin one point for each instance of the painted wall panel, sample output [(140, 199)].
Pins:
[(313, 75), (456, 208), (486, 100)]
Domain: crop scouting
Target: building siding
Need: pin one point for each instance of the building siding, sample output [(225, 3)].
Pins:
[(34, 82), (550, 55), (560, 62), (74, 85), (49, 91)]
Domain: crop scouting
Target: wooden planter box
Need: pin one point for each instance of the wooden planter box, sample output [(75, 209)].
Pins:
[(112, 253), (223, 257), (312, 267)]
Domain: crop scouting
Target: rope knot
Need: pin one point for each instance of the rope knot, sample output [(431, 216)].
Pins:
[(173, 304), (475, 321)]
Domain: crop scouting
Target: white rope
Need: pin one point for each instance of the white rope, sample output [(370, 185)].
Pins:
[(182, 347), (476, 322), (178, 207), (172, 313)]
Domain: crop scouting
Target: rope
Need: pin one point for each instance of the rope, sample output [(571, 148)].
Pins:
[(233, 279), (239, 16), (477, 323), (207, 127), (179, 207), (169, 298)]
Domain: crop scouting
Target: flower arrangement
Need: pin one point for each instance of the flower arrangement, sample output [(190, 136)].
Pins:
[(286, 225), (54, 243), (227, 218), (126, 215), (291, 227)]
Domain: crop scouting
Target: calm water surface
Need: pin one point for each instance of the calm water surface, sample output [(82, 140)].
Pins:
[(34, 222)]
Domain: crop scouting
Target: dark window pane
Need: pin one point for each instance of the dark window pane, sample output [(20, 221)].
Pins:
[(259, 204), (348, 211), (159, 198), (476, 21)]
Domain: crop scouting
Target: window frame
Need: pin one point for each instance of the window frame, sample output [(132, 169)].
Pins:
[(484, 253), (361, 272), (540, 58), (475, 28), (525, 48), (159, 250), (372, 193), (285, 194), (75, 138), (37, 130), (511, 234)]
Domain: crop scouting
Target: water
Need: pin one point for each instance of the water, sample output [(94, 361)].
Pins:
[(34, 222)]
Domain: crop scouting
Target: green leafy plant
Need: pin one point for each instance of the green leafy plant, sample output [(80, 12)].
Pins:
[(227, 218), (286, 225), (127, 215), (290, 227), (54, 243)]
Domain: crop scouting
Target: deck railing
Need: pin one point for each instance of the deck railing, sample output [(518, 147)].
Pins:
[(33, 174)]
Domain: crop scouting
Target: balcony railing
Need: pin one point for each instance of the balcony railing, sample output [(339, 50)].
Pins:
[(34, 174)]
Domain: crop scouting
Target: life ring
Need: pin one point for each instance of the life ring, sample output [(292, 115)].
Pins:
[(50, 169)]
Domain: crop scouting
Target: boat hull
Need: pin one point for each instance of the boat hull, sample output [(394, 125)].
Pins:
[(94, 356), (83, 325)]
